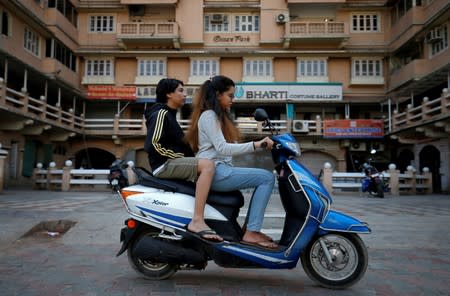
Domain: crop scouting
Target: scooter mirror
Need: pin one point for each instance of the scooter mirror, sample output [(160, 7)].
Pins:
[(260, 115), (373, 151)]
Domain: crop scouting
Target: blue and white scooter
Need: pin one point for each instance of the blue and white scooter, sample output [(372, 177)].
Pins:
[(158, 244)]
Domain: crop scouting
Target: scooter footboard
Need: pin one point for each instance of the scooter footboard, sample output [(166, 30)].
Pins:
[(336, 221)]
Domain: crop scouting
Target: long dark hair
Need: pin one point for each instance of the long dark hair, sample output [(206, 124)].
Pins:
[(206, 99), (166, 86)]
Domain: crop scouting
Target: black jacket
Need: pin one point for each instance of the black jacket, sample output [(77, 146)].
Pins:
[(165, 138)]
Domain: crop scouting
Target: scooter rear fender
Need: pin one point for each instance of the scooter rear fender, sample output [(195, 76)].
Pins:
[(127, 235), (339, 222)]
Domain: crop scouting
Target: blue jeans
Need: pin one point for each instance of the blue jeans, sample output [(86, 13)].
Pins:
[(228, 178)]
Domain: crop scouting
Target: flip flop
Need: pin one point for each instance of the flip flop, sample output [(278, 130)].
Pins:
[(262, 244), (205, 233)]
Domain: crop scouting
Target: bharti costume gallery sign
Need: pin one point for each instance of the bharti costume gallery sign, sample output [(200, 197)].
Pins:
[(357, 128), (289, 92), (110, 92)]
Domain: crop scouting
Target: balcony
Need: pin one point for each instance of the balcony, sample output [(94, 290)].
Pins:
[(165, 34), (316, 32)]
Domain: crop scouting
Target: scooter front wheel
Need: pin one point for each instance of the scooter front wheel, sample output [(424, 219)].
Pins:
[(341, 265), (149, 268)]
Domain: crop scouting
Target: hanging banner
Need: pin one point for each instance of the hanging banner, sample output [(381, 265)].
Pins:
[(357, 128), (110, 92)]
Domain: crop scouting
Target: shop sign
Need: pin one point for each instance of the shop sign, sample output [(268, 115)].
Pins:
[(231, 39), (358, 128), (110, 92), (288, 92)]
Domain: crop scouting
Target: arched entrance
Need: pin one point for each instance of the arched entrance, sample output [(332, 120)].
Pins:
[(430, 157), (94, 158), (314, 161), (404, 159)]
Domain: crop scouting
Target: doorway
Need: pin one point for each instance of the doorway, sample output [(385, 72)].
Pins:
[(430, 157)]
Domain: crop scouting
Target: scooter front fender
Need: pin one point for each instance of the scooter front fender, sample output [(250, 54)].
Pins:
[(339, 222)]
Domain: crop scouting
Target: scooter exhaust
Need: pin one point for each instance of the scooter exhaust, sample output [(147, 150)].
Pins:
[(148, 248)]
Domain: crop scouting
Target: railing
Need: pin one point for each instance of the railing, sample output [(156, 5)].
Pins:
[(436, 109), (406, 183), (324, 29), (67, 178), (148, 30), (29, 107)]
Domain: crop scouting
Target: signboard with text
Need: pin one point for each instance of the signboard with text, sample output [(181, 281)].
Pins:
[(357, 128), (110, 92), (288, 92)]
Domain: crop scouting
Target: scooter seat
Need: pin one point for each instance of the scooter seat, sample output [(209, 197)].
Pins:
[(230, 199)]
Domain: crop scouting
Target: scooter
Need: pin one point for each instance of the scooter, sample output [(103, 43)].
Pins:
[(158, 243), (373, 182)]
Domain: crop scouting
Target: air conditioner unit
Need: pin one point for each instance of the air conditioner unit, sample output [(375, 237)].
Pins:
[(282, 18), (434, 35), (217, 18), (137, 10), (358, 146), (300, 126)]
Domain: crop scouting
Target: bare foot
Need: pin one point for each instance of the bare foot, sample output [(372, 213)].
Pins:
[(256, 237)]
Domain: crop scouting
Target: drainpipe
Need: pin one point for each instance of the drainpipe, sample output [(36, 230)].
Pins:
[(389, 115), (25, 79), (5, 76)]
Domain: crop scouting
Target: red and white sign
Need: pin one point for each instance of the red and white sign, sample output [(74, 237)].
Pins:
[(357, 128), (110, 92)]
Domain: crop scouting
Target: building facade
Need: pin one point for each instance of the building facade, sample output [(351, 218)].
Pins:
[(344, 77)]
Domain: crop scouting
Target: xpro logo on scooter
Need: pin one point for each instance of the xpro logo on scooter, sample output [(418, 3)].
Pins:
[(159, 203)]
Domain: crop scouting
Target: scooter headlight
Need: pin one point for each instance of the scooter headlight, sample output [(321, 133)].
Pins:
[(295, 147)]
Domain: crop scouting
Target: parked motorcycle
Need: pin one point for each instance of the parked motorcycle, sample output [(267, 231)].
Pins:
[(158, 243), (373, 182)]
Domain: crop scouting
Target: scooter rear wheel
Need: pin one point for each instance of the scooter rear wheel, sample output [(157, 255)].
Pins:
[(349, 260), (150, 269)]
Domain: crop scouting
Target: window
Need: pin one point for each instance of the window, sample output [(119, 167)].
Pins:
[(150, 71), (99, 68), (5, 24), (442, 42), (246, 23), (368, 22), (220, 23), (203, 69), (66, 8), (31, 41), (258, 69), (99, 71), (101, 23), (368, 71), (314, 69), (57, 50), (216, 23)]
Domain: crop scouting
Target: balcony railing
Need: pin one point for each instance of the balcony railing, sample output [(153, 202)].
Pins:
[(148, 32), (25, 107), (316, 32), (430, 110)]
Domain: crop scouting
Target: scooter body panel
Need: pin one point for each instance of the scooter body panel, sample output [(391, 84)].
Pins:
[(339, 222), (172, 208)]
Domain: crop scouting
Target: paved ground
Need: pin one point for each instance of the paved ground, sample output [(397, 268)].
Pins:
[(409, 250)]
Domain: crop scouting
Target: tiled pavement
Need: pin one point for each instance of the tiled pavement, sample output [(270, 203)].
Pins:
[(409, 250)]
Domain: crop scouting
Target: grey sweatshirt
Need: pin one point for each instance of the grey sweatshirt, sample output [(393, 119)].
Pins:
[(212, 143)]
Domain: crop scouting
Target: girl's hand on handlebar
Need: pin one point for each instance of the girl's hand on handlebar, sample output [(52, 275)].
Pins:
[(264, 143)]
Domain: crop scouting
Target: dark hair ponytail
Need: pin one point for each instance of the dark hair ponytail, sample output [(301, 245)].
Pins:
[(206, 99)]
